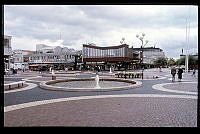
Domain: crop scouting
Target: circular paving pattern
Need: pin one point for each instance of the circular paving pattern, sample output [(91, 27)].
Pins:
[(139, 107), (181, 88), (119, 111)]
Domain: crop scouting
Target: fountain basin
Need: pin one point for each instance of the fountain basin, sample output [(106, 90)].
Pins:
[(88, 84)]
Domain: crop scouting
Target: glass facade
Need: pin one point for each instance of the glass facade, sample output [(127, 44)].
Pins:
[(89, 52)]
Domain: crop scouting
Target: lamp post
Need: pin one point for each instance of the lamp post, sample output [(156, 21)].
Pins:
[(142, 46)]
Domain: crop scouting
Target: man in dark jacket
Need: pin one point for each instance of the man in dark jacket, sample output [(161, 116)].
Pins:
[(173, 73)]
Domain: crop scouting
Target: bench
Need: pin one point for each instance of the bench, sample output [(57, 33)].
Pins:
[(14, 85)]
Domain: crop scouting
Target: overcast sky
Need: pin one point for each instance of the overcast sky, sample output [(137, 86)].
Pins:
[(105, 25)]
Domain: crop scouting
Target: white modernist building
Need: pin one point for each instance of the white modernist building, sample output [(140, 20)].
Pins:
[(150, 54), (57, 57), (20, 60)]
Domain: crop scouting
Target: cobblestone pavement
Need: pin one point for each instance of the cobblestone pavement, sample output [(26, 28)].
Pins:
[(128, 111), (108, 112)]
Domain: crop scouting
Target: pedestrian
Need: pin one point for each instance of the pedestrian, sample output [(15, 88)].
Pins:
[(173, 73), (193, 72), (98, 68), (160, 69), (180, 71)]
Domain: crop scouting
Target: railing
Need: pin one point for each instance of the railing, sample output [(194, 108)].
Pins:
[(129, 75)]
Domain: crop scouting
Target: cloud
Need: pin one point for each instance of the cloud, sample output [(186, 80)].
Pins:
[(164, 25)]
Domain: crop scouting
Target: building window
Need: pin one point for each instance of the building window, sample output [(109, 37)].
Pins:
[(6, 42)]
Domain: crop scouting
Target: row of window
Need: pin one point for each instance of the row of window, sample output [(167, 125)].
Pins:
[(51, 57), (101, 53)]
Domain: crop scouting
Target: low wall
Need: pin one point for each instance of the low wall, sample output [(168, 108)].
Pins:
[(47, 85)]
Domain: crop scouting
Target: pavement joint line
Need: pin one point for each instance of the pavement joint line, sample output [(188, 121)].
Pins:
[(161, 88), (30, 86), (37, 103)]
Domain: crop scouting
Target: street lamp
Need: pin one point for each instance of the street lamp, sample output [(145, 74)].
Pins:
[(142, 46), (122, 41)]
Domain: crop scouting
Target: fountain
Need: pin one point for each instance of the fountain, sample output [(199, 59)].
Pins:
[(96, 84), (53, 75), (50, 69), (90, 84), (97, 81), (52, 72), (110, 70)]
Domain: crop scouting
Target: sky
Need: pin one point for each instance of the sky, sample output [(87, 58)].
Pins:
[(164, 26)]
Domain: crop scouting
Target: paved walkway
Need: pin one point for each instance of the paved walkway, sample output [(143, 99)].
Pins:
[(143, 106)]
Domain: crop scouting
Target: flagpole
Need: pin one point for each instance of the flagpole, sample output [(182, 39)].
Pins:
[(187, 42), (186, 54)]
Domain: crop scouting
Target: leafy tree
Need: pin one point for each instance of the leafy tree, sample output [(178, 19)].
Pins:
[(160, 61), (170, 61), (192, 61)]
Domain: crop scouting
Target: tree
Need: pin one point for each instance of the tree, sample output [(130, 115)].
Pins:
[(170, 62), (192, 61), (160, 61), (180, 61)]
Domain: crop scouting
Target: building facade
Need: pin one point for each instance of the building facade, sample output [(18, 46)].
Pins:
[(57, 58), (150, 54), (7, 53), (117, 57), (20, 60)]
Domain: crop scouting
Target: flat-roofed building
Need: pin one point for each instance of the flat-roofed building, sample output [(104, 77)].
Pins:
[(59, 58), (117, 57), (150, 54), (20, 60)]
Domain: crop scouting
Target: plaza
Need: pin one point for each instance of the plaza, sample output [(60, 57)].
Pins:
[(100, 65), (155, 103)]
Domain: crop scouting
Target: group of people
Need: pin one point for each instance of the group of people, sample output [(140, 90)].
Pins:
[(179, 73)]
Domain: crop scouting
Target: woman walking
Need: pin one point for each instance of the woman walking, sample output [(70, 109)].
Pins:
[(180, 71)]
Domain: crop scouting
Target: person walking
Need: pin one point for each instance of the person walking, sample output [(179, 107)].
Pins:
[(173, 73), (193, 72), (180, 71)]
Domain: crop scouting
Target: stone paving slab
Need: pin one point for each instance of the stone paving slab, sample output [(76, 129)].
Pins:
[(109, 112)]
